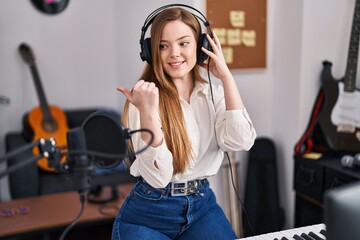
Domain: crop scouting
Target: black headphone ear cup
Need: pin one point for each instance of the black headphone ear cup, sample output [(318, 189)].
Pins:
[(146, 51), (202, 42)]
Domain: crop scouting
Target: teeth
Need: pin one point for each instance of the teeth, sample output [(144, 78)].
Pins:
[(175, 64)]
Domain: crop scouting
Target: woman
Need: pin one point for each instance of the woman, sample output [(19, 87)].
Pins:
[(172, 198)]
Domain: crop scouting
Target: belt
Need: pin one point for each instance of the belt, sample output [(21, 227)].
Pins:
[(186, 188)]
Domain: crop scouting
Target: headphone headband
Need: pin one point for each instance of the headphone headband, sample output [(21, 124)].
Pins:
[(145, 44), (153, 14)]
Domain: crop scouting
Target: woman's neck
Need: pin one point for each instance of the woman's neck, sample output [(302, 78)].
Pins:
[(184, 88)]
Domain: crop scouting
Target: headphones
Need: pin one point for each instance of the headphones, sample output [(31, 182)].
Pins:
[(145, 44)]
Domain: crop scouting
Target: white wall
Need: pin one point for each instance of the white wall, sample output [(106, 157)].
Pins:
[(93, 46), (286, 95), (306, 33)]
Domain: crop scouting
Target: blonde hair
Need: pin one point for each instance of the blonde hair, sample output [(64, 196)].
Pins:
[(171, 115)]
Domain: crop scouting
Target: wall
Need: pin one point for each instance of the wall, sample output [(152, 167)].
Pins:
[(306, 33), (85, 52)]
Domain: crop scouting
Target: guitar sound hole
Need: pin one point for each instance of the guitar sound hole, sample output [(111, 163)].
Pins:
[(50, 125)]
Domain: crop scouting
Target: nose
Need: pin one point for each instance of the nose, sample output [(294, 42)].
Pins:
[(175, 51)]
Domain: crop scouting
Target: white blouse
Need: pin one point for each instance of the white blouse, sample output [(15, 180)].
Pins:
[(211, 129)]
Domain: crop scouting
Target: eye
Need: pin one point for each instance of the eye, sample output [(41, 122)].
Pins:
[(163, 46), (183, 44)]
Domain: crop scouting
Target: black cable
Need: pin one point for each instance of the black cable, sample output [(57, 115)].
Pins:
[(94, 154), (97, 192), (109, 155), (227, 155), (82, 201), (150, 142), (211, 91), (238, 196)]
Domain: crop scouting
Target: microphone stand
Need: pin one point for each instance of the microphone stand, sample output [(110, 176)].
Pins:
[(78, 163), (46, 148)]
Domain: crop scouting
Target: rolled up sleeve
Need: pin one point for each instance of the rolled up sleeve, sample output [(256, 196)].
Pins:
[(155, 164), (236, 132)]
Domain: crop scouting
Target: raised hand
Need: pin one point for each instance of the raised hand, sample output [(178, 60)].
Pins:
[(144, 96), (219, 67)]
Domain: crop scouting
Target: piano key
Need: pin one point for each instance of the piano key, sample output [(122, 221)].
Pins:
[(297, 237), (296, 233), (315, 236), (317, 230), (266, 237), (286, 234), (323, 232), (301, 233), (306, 236)]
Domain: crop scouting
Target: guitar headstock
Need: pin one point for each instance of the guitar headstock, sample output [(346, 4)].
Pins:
[(27, 54)]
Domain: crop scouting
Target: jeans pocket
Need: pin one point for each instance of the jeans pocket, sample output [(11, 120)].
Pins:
[(147, 192)]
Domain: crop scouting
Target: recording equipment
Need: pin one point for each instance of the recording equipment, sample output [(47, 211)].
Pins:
[(145, 44), (349, 161), (105, 134), (100, 142), (79, 164), (46, 149)]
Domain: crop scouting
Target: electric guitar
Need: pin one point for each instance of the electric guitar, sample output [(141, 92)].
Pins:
[(339, 118), (45, 120)]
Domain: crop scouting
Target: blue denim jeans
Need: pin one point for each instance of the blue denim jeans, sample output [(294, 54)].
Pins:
[(150, 213)]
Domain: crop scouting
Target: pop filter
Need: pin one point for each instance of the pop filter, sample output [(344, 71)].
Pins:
[(105, 134)]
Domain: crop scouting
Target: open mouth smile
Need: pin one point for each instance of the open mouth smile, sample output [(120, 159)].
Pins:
[(176, 64)]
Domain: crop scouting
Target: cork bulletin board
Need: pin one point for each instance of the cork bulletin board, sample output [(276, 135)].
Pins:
[(241, 28)]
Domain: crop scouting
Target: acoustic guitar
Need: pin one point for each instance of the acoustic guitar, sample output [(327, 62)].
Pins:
[(45, 120), (339, 118)]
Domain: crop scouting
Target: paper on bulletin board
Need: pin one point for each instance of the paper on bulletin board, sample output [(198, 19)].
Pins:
[(241, 29)]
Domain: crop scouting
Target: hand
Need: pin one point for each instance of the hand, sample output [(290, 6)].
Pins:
[(144, 96), (219, 68)]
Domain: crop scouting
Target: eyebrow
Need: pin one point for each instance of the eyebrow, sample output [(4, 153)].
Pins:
[(180, 38)]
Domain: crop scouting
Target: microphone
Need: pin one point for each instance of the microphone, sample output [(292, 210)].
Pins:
[(349, 161), (105, 134), (79, 164)]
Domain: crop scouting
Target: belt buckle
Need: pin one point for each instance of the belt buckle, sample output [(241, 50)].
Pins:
[(179, 189)]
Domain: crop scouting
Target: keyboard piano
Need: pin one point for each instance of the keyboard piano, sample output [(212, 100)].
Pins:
[(312, 232)]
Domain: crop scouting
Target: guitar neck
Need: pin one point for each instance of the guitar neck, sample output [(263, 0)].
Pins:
[(352, 61), (40, 92)]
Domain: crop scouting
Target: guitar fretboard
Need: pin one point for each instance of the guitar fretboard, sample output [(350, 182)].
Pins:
[(352, 62)]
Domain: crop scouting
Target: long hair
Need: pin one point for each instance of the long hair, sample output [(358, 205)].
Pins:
[(171, 116)]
